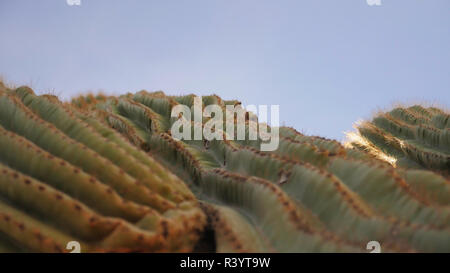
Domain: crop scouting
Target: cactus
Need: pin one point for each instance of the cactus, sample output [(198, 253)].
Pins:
[(414, 137), (107, 172), (66, 179)]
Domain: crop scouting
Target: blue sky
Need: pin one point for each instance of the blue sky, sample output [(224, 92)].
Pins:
[(327, 63)]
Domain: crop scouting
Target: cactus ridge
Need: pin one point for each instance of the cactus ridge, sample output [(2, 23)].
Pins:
[(233, 232), (430, 186)]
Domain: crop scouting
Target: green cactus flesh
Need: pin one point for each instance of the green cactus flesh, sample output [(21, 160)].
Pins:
[(107, 172)]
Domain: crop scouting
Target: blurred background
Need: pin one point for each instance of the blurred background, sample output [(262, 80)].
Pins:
[(327, 63)]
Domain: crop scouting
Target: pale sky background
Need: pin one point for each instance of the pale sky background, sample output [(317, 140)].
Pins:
[(327, 63)]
